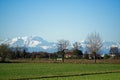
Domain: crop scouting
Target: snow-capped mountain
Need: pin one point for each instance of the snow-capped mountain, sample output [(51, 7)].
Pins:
[(36, 43), (33, 43), (105, 46)]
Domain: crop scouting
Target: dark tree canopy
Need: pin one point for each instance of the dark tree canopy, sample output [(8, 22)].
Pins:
[(78, 53), (113, 50), (4, 50)]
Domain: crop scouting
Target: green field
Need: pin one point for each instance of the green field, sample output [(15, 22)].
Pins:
[(111, 76), (35, 70)]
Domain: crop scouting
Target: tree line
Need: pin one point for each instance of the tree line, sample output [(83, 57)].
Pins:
[(94, 44)]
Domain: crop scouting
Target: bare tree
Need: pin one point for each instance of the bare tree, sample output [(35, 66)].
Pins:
[(62, 46), (76, 50), (94, 43), (76, 45)]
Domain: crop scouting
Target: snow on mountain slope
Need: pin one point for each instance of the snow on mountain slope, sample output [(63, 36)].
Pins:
[(36, 43), (33, 43), (105, 46)]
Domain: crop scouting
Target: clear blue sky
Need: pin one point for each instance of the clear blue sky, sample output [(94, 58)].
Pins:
[(60, 19)]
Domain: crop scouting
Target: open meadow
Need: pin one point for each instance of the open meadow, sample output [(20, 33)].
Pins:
[(111, 76), (59, 71), (59, 39)]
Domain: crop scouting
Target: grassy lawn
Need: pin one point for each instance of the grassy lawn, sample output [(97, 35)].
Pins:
[(23, 70), (111, 76)]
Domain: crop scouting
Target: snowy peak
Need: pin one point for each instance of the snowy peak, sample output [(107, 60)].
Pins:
[(33, 43), (105, 45), (36, 43)]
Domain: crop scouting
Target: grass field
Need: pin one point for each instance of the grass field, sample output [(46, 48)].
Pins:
[(111, 76), (34, 70)]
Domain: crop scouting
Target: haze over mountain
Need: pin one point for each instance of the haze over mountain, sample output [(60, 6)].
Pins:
[(36, 43)]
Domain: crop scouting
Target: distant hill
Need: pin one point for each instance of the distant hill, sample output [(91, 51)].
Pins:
[(36, 43), (33, 43)]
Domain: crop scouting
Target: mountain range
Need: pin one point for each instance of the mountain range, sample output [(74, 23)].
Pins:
[(36, 43), (32, 43)]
